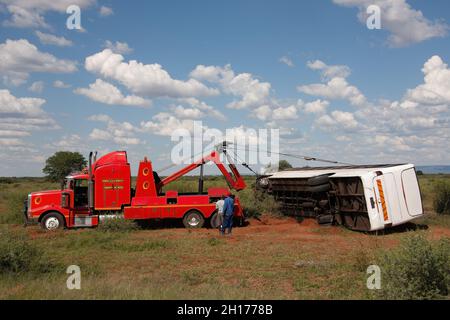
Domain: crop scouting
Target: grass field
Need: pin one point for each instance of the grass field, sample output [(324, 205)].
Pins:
[(273, 257)]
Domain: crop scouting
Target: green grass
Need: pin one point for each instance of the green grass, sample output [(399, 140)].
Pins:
[(121, 262)]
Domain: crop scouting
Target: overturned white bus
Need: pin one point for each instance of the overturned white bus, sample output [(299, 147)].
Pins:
[(364, 198)]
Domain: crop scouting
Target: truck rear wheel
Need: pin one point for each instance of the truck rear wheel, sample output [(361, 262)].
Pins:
[(193, 219), (215, 221), (52, 221)]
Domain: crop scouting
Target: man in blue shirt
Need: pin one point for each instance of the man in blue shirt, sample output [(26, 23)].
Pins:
[(228, 212)]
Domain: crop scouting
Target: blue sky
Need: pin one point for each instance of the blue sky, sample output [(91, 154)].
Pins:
[(312, 69)]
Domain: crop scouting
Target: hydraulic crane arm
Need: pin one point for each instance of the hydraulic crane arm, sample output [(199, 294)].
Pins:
[(234, 179)]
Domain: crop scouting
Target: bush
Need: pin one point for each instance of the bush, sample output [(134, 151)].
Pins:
[(117, 225), (256, 202), (6, 180), (14, 212), (418, 269), (18, 255), (441, 202)]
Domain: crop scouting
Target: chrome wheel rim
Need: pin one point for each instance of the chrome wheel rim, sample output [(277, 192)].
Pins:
[(193, 221), (51, 223)]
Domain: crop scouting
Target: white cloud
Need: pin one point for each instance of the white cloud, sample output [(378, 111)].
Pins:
[(285, 113), (406, 25), (414, 128), (287, 61), (104, 92), (336, 88), (60, 84), (106, 11), (253, 93), (263, 112), (11, 142), (100, 118), (187, 113), (201, 105), (436, 89), (69, 142), (337, 119), (329, 71), (9, 104), (118, 47), (19, 117), (37, 87), (30, 13), (144, 79), (13, 133), (19, 58), (47, 38), (98, 134), (164, 124), (121, 133), (317, 106)]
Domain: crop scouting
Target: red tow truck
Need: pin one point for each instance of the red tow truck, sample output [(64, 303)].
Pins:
[(104, 190)]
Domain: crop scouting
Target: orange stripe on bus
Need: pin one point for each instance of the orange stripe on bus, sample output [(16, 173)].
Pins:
[(383, 201)]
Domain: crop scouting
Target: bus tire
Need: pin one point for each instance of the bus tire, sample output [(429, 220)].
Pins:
[(318, 180), (319, 188)]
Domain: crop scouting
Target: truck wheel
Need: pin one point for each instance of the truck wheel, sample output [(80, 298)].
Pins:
[(52, 221), (318, 180), (193, 219), (214, 221)]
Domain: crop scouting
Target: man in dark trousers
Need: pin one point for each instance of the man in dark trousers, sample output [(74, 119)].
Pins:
[(228, 212)]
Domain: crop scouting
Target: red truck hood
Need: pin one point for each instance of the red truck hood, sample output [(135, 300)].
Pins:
[(46, 192)]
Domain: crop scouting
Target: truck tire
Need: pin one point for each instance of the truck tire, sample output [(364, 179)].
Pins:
[(318, 180), (319, 188), (214, 221), (52, 221), (193, 219)]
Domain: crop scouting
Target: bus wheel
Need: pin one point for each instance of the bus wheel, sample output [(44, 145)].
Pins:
[(52, 221), (193, 219)]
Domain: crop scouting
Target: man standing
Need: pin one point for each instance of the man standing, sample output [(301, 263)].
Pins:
[(219, 207), (228, 212)]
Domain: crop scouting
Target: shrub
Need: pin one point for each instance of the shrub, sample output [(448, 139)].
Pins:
[(256, 202), (117, 225), (6, 180), (442, 197), (18, 255), (14, 212), (418, 269)]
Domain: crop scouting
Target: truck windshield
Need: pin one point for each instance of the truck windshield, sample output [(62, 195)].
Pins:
[(81, 183), (68, 183)]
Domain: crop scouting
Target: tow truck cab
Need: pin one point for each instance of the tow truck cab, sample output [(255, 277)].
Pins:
[(65, 207)]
